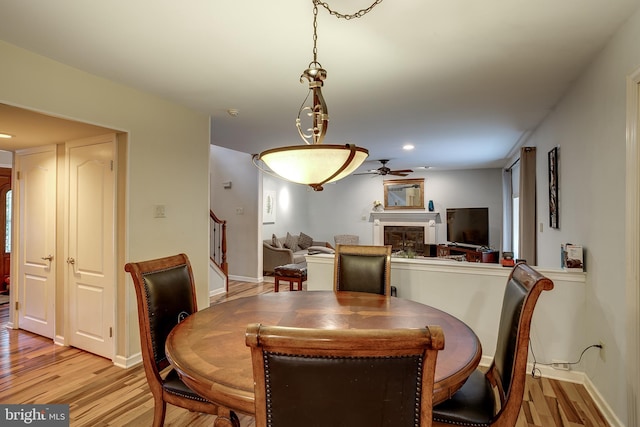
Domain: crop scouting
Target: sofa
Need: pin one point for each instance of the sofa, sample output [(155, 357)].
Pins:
[(290, 249)]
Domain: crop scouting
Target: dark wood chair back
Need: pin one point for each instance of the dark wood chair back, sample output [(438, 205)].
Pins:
[(344, 377), (165, 295), (474, 404), (360, 268)]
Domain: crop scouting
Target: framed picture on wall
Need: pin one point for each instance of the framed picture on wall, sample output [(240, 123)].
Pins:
[(553, 188), (269, 207)]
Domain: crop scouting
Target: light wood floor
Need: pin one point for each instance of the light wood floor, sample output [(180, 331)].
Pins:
[(34, 370)]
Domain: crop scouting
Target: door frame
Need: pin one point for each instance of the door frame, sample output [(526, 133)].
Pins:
[(61, 336), (632, 261)]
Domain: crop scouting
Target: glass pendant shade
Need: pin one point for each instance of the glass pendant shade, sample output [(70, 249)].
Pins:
[(314, 164)]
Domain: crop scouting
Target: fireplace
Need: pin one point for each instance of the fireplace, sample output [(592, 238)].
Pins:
[(408, 238), (406, 230)]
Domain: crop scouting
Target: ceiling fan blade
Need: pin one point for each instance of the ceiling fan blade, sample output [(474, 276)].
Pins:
[(397, 173), (402, 170)]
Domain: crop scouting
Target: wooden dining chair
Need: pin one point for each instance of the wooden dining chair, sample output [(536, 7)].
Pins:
[(166, 294), (343, 377), (475, 404), (360, 268)]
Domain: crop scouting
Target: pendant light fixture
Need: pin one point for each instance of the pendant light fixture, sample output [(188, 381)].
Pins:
[(315, 163)]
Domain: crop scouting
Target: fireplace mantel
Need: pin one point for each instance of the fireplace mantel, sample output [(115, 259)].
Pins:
[(412, 216)]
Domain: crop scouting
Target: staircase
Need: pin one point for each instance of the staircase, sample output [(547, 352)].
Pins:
[(218, 245)]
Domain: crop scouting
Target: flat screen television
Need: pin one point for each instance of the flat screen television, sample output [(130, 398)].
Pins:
[(468, 226)]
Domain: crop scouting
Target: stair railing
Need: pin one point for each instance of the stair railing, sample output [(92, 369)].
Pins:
[(218, 243)]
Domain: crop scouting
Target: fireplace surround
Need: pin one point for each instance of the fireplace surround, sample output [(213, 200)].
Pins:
[(405, 230)]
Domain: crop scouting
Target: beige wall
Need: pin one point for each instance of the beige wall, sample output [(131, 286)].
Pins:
[(168, 147)]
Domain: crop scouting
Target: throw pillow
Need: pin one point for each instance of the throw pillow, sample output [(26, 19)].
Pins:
[(275, 242), (291, 242), (304, 241)]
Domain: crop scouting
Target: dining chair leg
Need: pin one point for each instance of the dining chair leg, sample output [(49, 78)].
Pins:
[(226, 418), (159, 411)]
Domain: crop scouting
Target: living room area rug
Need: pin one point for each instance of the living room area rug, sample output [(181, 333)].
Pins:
[(4, 299)]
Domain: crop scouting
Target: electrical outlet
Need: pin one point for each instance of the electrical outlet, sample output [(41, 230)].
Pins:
[(159, 211), (602, 354), (562, 365)]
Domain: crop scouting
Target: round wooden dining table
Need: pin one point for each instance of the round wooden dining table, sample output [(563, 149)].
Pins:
[(208, 349)]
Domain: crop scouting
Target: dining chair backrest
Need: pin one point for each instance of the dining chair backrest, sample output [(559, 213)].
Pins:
[(521, 294), (165, 294), (361, 268), (343, 377)]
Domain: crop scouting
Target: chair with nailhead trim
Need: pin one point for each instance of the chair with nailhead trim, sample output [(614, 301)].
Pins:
[(343, 377), (476, 404), (362, 268), (166, 295)]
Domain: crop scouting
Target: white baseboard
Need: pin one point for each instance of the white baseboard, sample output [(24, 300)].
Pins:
[(581, 378), (217, 292), (127, 362), (602, 404), (59, 340), (576, 377), (244, 279)]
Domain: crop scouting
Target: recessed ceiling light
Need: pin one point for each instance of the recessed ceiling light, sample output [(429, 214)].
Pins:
[(5, 135), (408, 147)]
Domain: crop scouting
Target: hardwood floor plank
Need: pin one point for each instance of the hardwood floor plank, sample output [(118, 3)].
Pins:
[(541, 407), (34, 370)]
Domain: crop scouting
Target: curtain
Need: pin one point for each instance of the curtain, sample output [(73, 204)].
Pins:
[(507, 212), (528, 247)]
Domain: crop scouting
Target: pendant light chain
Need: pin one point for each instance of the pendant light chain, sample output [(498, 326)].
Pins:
[(315, 34), (358, 14)]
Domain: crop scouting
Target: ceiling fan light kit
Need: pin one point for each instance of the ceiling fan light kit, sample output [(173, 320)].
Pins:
[(315, 164)]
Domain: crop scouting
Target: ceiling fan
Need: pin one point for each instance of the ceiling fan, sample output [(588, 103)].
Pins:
[(384, 170)]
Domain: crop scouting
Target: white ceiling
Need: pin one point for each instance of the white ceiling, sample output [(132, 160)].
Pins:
[(463, 80)]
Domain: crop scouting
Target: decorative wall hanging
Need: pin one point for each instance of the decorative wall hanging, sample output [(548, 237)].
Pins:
[(269, 207), (553, 188)]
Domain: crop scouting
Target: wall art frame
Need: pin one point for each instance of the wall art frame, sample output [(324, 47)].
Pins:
[(269, 207), (553, 188), (404, 193)]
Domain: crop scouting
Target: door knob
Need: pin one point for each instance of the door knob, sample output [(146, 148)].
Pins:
[(48, 258), (71, 260)]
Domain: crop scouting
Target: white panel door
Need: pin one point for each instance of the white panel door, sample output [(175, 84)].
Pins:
[(36, 200), (90, 243)]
